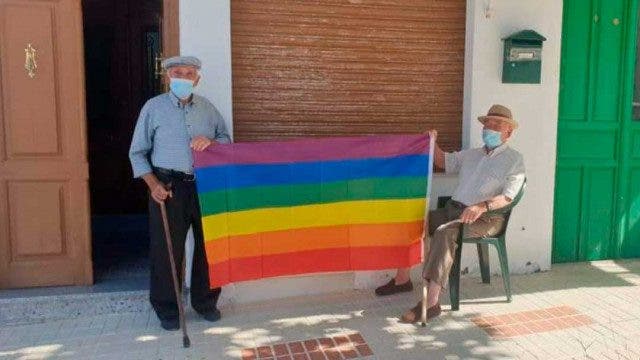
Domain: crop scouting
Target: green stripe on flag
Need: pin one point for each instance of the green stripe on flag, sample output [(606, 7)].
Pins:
[(216, 202)]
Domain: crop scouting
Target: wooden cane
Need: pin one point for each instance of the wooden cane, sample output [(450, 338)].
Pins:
[(424, 301), (432, 143), (174, 273)]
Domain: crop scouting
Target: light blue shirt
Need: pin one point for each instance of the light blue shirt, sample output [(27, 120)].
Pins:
[(164, 131)]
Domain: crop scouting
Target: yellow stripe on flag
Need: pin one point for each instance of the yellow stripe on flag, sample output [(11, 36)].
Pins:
[(307, 216)]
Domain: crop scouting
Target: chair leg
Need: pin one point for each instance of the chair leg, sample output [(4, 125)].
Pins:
[(454, 279), (483, 258), (504, 266)]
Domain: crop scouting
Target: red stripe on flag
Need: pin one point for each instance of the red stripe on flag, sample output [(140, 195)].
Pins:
[(314, 261), (378, 258)]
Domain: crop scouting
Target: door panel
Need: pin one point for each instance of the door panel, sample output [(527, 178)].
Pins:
[(32, 116), (578, 143), (44, 222), (31, 235), (569, 185), (608, 61), (599, 212), (575, 61)]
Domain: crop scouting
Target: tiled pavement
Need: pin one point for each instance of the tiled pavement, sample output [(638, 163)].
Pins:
[(347, 346), (581, 311), (532, 321)]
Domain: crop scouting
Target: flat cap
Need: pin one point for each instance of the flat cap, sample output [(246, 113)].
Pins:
[(181, 61)]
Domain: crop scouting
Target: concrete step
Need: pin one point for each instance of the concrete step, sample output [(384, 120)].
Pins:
[(109, 295), (36, 309)]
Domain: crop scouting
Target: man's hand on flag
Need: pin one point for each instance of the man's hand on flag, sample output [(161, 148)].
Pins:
[(200, 143)]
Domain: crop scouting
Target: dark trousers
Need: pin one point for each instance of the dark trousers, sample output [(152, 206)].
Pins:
[(182, 211)]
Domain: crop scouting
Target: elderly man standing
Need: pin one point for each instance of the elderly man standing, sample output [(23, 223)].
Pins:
[(489, 178), (169, 127)]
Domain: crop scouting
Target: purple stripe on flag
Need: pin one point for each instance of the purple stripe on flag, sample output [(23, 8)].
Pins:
[(317, 149)]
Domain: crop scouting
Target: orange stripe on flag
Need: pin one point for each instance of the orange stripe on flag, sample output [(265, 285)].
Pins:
[(298, 240)]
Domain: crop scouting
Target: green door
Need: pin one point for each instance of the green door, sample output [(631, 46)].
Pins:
[(597, 194)]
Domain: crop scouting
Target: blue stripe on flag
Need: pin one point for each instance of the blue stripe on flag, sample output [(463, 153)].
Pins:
[(238, 176)]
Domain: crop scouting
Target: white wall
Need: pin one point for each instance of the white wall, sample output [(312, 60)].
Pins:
[(535, 106), (205, 32)]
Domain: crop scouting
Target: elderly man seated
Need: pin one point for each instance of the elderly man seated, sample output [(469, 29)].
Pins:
[(489, 178)]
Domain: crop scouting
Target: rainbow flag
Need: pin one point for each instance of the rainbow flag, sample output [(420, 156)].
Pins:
[(313, 205)]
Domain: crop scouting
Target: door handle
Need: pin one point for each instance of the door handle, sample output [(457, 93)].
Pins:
[(30, 64), (158, 65)]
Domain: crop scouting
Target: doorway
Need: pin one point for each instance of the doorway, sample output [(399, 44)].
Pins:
[(123, 49), (597, 199)]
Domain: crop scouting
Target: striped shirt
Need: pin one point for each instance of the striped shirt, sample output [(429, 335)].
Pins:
[(483, 176), (164, 131)]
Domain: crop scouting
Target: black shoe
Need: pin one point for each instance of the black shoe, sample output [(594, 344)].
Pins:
[(391, 288), (170, 324), (212, 315)]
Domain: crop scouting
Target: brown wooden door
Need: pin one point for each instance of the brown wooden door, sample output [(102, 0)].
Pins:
[(44, 207)]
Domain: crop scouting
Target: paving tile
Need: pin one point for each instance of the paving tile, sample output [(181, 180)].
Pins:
[(535, 326), (341, 340), (364, 350), (311, 345), (327, 343), (296, 347), (333, 354), (280, 349), (264, 351), (249, 354), (349, 353), (316, 355), (356, 338)]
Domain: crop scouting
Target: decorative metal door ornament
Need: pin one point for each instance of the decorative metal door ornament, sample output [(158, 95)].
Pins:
[(30, 61)]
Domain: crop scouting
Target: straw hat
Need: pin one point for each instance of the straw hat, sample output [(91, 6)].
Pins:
[(501, 113)]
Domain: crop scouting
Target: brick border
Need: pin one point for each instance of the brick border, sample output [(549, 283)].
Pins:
[(533, 321), (339, 347)]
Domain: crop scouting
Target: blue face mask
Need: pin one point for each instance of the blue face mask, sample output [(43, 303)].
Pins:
[(492, 139), (182, 88)]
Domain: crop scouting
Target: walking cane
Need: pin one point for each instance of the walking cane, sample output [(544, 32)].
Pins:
[(432, 142), (425, 283), (424, 302), (174, 273)]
